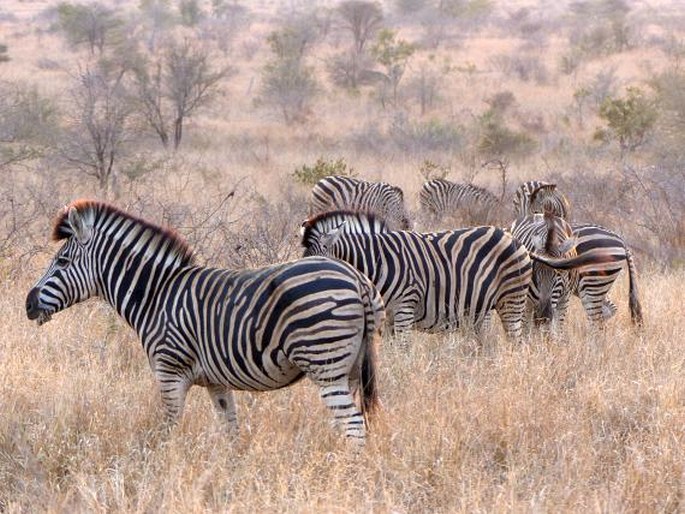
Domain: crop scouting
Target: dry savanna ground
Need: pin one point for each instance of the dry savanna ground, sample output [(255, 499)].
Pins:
[(595, 422), (588, 421)]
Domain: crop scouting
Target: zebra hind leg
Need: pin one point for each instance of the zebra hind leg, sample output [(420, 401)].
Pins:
[(224, 404), (339, 399)]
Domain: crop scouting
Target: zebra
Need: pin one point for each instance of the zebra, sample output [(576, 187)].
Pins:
[(440, 197), (550, 289), (591, 283), (434, 281), (255, 330), (339, 192), (535, 196)]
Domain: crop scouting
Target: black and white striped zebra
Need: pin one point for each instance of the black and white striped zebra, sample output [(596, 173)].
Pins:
[(536, 196), (550, 291), (468, 204), (338, 192), (433, 281), (255, 330)]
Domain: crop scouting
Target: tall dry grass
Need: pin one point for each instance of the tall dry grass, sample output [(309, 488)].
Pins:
[(593, 422)]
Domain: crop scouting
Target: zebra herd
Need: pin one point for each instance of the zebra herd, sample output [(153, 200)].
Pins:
[(321, 316)]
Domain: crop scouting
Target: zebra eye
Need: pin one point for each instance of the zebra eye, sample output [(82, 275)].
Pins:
[(62, 262)]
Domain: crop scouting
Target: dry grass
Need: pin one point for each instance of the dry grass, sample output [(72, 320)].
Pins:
[(592, 423)]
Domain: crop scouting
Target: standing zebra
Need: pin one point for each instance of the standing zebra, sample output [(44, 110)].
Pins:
[(550, 289), (471, 205), (535, 196), (254, 330), (591, 283), (431, 281), (337, 192)]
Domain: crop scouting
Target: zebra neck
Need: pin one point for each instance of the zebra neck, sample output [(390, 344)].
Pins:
[(134, 279)]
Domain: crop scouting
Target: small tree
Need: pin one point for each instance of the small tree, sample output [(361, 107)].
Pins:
[(287, 83), (3, 53), (172, 88), (629, 120), (362, 19), (94, 25), (393, 54), (98, 125)]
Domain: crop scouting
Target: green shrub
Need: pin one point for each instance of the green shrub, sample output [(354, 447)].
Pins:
[(310, 175)]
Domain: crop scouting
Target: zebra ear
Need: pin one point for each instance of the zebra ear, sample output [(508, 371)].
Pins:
[(329, 239), (79, 227)]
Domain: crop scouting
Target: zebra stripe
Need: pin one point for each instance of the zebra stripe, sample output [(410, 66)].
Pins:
[(255, 330), (473, 205), (384, 200), (433, 281), (535, 196), (550, 289)]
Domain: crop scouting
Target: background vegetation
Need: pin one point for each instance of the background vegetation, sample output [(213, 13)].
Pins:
[(216, 116)]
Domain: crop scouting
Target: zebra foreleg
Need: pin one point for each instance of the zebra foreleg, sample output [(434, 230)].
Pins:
[(224, 404), (173, 390)]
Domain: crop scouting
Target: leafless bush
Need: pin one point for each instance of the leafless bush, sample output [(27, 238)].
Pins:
[(645, 205), (268, 232), (525, 68)]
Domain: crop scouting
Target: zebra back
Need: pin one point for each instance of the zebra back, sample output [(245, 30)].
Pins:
[(440, 197), (339, 192)]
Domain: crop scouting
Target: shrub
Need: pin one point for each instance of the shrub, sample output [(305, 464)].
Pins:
[(629, 120), (310, 175)]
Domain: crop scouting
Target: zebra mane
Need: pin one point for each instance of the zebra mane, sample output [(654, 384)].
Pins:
[(98, 211), (354, 222)]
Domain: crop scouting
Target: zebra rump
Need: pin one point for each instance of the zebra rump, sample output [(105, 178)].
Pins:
[(433, 281), (255, 330)]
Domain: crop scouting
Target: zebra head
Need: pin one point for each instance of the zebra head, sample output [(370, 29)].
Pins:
[(555, 240), (68, 279), (550, 236), (319, 233)]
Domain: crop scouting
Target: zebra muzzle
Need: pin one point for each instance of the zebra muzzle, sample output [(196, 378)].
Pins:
[(34, 311)]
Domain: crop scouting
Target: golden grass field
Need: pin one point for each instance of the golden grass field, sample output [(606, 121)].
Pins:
[(589, 421)]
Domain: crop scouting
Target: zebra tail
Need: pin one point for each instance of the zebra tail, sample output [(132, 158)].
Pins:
[(375, 317), (633, 300)]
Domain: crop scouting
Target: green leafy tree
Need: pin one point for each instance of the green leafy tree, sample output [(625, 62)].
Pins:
[(393, 54), (629, 120)]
